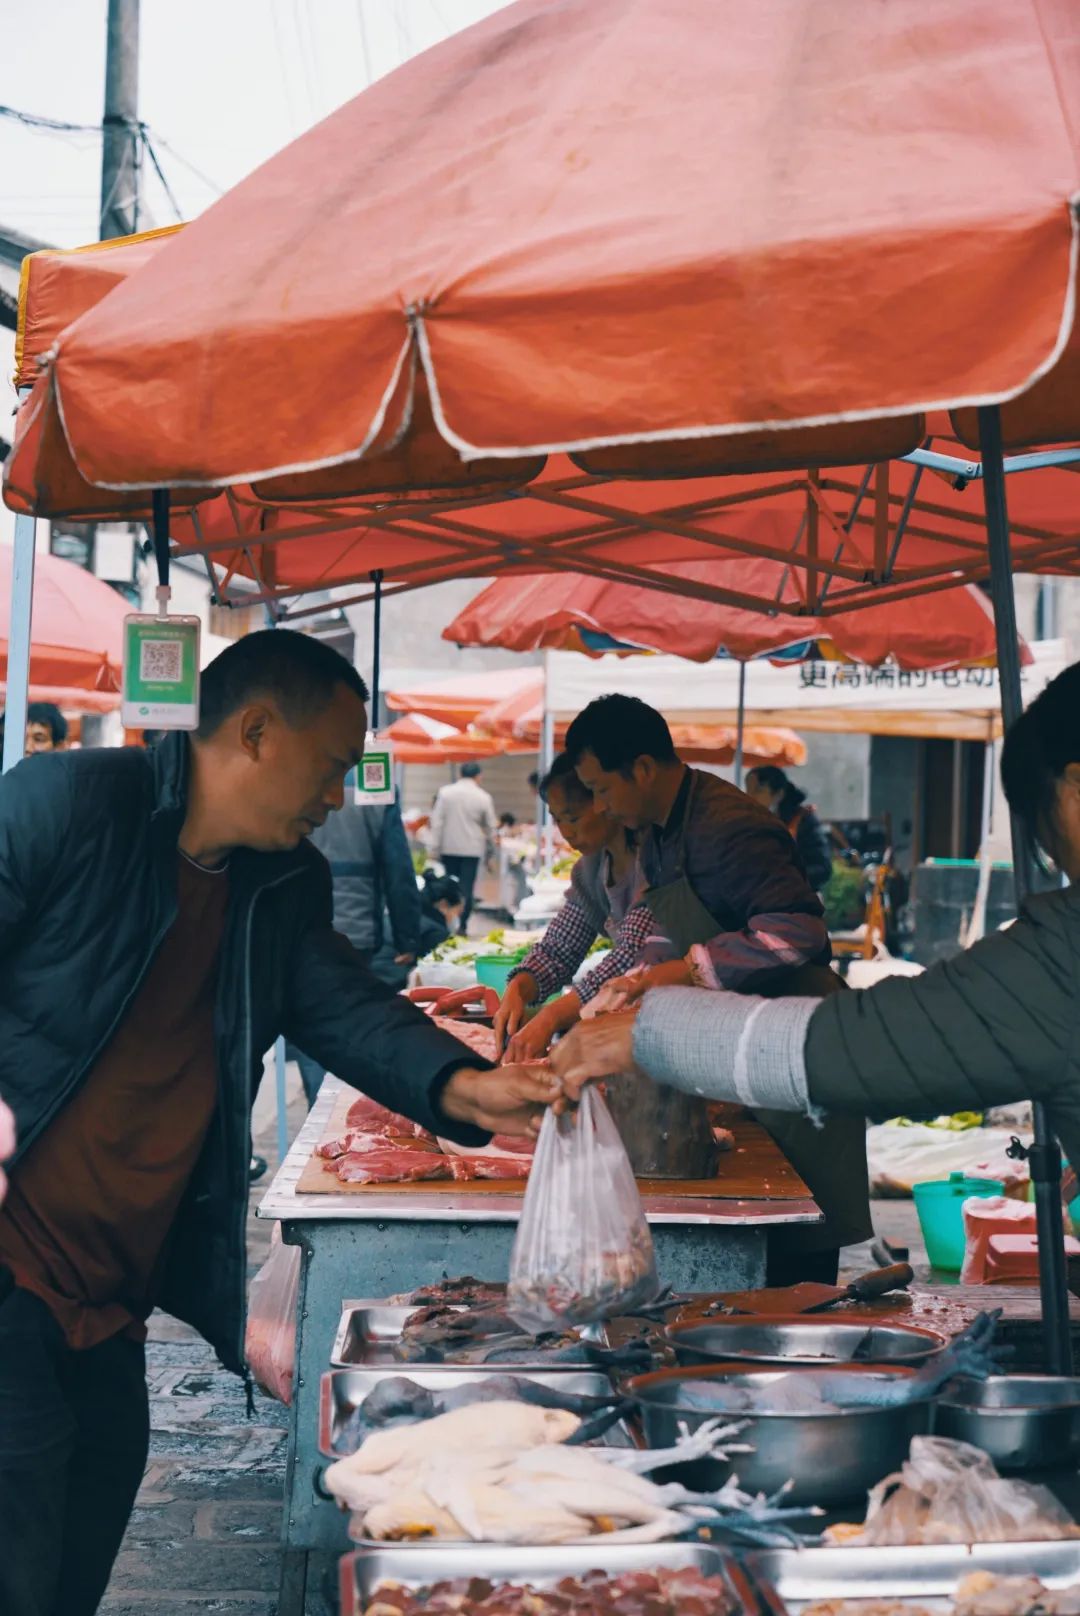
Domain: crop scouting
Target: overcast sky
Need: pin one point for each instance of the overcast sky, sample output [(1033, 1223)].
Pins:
[(224, 83)]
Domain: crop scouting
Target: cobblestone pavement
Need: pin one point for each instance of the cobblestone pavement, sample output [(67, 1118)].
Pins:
[(205, 1532)]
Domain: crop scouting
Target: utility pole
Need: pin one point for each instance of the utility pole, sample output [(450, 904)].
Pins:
[(121, 150)]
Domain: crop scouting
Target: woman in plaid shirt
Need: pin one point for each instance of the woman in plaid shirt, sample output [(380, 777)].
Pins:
[(602, 899)]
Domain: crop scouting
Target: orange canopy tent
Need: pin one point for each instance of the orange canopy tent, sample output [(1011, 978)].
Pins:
[(859, 529), (634, 233), (571, 612)]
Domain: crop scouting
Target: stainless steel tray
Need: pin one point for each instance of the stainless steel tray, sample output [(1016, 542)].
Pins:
[(368, 1330), (343, 1390), (788, 1580), (361, 1572)]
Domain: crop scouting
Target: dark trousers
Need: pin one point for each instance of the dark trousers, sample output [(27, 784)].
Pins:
[(464, 872), (74, 1431)]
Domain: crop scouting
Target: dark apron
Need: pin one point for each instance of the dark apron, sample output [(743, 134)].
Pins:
[(831, 1160)]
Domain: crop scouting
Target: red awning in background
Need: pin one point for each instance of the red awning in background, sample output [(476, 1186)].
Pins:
[(78, 628), (460, 699), (417, 738), (514, 711), (954, 628)]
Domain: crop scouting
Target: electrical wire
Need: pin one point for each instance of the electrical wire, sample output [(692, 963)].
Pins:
[(148, 146), (59, 126)]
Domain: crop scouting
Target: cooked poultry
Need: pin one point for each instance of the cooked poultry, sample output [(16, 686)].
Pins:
[(502, 1472)]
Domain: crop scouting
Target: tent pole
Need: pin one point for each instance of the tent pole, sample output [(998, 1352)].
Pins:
[(19, 630), (281, 1097), (376, 648), (740, 728), (547, 758), (1045, 1158)]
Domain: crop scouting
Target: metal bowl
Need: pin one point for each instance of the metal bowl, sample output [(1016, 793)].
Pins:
[(794, 1341), (1024, 1422), (829, 1457)]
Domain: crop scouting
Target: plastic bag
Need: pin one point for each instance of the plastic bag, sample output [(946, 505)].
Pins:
[(950, 1492), (270, 1341), (583, 1250)]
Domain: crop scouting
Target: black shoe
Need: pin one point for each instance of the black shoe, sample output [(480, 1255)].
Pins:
[(257, 1169)]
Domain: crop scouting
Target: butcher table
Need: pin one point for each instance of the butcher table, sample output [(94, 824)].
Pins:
[(377, 1243)]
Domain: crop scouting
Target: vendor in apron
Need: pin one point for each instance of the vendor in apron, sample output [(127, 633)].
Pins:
[(724, 885), (604, 890)]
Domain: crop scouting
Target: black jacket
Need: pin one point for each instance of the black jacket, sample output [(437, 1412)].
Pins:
[(372, 868), (88, 851)]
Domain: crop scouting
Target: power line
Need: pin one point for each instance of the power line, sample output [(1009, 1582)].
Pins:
[(59, 126), (54, 125), (148, 146), (211, 185)]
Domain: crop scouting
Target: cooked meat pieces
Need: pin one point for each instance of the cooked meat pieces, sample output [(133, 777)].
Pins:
[(865, 1607), (462, 1289), (984, 1593), (597, 1593), (390, 1166)]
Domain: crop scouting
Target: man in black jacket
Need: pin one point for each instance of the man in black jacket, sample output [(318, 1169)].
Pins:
[(163, 919)]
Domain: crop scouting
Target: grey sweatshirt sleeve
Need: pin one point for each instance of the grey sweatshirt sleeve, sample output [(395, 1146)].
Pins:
[(726, 1046)]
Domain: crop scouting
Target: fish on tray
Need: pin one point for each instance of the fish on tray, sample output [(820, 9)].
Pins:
[(810, 1391), (446, 1333)]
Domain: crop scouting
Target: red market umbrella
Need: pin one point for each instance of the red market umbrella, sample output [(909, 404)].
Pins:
[(905, 531), (78, 628), (417, 738), (568, 611), (461, 698), (628, 229)]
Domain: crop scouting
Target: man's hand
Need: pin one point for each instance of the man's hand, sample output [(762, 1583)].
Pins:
[(521, 991), (404, 959), (594, 1049), (510, 1099), (530, 1042), (623, 991)]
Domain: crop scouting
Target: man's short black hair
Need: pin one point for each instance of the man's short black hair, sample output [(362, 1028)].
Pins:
[(296, 671), (470, 771), (618, 730), (47, 713)]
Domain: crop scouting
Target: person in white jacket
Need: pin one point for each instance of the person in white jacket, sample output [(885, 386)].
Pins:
[(463, 828)]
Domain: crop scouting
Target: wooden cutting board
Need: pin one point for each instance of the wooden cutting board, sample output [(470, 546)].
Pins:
[(755, 1170)]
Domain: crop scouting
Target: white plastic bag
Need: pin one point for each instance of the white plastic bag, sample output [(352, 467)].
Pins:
[(270, 1340), (583, 1250), (950, 1492)]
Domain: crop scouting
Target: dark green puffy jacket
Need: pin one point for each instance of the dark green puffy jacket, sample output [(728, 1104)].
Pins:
[(996, 1024), (88, 855)]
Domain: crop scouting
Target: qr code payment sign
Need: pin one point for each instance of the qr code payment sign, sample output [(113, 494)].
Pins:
[(375, 776), (161, 661)]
